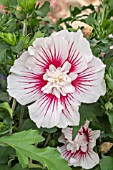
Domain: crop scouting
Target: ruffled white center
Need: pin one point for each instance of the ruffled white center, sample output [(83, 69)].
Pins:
[(58, 80), (80, 143)]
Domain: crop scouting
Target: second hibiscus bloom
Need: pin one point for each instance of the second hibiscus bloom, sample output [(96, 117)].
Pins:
[(58, 73), (79, 152)]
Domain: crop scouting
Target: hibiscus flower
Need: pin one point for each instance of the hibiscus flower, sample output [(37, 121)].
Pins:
[(58, 73), (79, 152)]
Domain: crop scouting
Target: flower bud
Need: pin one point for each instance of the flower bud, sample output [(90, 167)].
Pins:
[(87, 31), (20, 14), (108, 105), (105, 147)]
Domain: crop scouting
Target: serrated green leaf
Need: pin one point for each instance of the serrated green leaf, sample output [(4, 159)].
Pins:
[(23, 141), (49, 157), (22, 138), (106, 163), (22, 158), (44, 9), (6, 106)]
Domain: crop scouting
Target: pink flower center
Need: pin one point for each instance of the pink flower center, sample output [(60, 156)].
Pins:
[(58, 80)]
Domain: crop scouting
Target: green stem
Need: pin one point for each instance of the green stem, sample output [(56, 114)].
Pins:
[(24, 31), (31, 165), (13, 104), (47, 139), (21, 116), (13, 108)]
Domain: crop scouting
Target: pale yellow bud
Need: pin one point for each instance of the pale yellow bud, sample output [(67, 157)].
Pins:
[(105, 147)]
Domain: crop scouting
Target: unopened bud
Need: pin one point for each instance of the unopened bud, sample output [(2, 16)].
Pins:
[(20, 14), (19, 8), (87, 31), (108, 105), (105, 147)]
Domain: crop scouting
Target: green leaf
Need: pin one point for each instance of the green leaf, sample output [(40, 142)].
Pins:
[(4, 167), (36, 35), (111, 72), (106, 163), (23, 159), (5, 153), (25, 137), (109, 81), (110, 116), (3, 49), (108, 62), (7, 2), (75, 131), (6, 106), (25, 41), (49, 157), (109, 78), (51, 130), (8, 38), (22, 143), (75, 11), (28, 124), (18, 47), (4, 96), (44, 9), (27, 5), (19, 167), (104, 125), (90, 111)]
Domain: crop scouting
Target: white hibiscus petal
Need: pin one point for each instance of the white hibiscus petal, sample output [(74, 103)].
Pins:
[(93, 136), (46, 111), (66, 67), (89, 84), (90, 160), (79, 51), (62, 139), (52, 68), (24, 88), (67, 133), (19, 64), (69, 88), (59, 46), (32, 51), (73, 76), (81, 44), (70, 115), (39, 42), (56, 93)]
